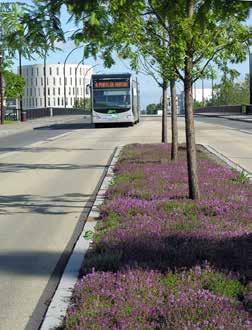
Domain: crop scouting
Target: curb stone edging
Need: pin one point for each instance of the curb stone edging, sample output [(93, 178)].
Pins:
[(228, 161), (57, 308)]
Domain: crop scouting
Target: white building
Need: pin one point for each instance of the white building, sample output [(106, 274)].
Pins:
[(202, 94), (76, 82)]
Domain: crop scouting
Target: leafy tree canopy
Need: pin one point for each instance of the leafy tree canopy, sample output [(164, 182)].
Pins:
[(14, 85)]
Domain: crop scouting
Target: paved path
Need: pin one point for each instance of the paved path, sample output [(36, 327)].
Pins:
[(18, 127), (42, 194)]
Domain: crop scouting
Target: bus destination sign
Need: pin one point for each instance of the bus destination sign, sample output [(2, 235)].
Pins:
[(111, 84)]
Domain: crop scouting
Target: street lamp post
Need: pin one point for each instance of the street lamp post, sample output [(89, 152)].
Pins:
[(64, 73), (84, 82), (250, 78), (1, 87), (1, 76), (75, 89)]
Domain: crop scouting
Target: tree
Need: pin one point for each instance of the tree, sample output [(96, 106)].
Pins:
[(29, 30), (152, 108), (14, 85), (231, 92), (79, 104), (190, 34)]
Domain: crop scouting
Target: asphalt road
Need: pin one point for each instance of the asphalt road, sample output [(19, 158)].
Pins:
[(232, 124), (47, 178), (23, 139)]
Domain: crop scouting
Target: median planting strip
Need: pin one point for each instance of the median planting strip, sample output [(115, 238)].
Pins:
[(161, 261)]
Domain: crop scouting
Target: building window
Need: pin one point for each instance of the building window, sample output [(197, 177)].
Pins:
[(80, 70), (53, 91), (41, 81), (36, 101), (62, 101), (48, 102), (57, 70), (54, 81), (69, 91), (66, 101), (47, 81), (48, 91), (71, 101), (36, 81), (30, 91), (37, 71), (38, 91), (50, 71), (54, 103), (58, 101), (80, 81), (58, 90), (41, 102), (73, 90), (65, 81), (32, 71), (71, 81)]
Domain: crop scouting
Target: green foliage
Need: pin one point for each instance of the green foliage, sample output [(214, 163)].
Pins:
[(153, 108), (14, 85), (207, 279), (242, 178), (231, 92), (79, 104), (197, 104), (29, 29), (88, 235), (220, 284)]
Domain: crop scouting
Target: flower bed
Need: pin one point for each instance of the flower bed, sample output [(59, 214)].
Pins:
[(149, 266)]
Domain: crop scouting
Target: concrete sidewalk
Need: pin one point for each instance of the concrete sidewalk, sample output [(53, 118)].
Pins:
[(19, 127), (238, 117)]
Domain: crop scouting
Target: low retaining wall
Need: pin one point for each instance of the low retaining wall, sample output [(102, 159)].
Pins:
[(52, 112), (234, 109), (245, 109)]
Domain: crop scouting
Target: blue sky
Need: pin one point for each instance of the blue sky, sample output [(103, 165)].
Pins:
[(149, 90)]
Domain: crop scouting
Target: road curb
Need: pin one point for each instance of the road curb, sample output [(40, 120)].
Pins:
[(58, 306), (228, 161), (223, 117)]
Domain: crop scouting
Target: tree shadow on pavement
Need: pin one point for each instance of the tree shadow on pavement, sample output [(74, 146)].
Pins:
[(45, 205), (19, 167)]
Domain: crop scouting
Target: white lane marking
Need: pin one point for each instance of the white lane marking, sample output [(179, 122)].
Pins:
[(35, 144), (60, 136), (244, 131)]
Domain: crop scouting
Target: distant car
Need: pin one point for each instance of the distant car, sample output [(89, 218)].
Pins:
[(10, 114)]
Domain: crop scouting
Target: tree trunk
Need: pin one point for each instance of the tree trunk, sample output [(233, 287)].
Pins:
[(174, 126), (20, 73), (1, 87), (45, 94), (194, 192), (164, 113)]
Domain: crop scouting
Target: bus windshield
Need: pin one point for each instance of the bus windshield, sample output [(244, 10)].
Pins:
[(111, 98)]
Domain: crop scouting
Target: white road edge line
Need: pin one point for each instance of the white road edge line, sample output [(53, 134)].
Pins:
[(57, 309), (36, 144)]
